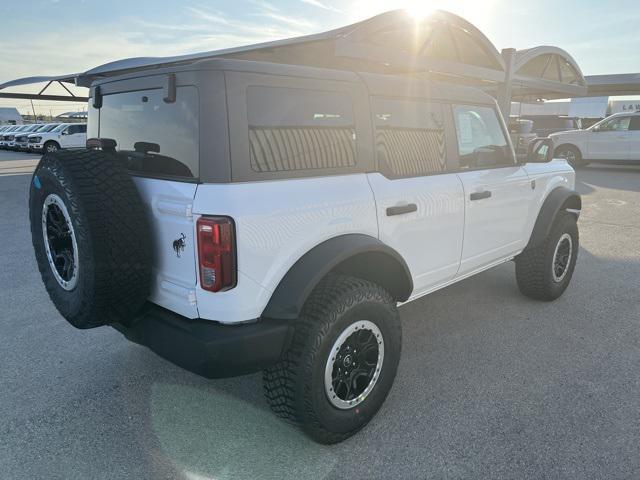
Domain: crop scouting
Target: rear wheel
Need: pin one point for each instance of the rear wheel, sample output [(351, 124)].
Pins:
[(342, 360), (571, 154)]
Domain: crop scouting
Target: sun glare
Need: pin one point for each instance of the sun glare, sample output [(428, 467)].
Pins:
[(419, 9), (475, 11)]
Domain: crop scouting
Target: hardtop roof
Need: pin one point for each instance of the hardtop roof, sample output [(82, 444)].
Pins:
[(411, 85)]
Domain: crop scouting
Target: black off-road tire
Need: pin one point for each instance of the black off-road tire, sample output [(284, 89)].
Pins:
[(112, 234), (534, 266), (295, 386)]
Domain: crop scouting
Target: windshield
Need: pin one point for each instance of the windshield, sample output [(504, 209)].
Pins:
[(59, 127), (47, 128), (605, 123)]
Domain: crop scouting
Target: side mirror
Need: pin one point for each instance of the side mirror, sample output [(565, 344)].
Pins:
[(540, 150), (596, 128), (489, 156), (64, 132)]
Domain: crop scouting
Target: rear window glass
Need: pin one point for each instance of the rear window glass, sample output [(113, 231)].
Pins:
[(410, 137), (296, 129), (155, 137)]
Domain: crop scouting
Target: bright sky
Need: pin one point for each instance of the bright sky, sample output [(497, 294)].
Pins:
[(48, 37)]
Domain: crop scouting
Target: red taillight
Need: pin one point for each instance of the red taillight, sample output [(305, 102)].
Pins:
[(216, 253)]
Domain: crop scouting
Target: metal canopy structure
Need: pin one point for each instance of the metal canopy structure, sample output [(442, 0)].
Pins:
[(441, 45), (60, 80), (546, 72), (539, 73), (612, 85)]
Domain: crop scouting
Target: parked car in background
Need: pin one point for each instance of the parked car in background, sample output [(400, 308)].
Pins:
[(22, 137), (614, 139), (22, 141), (8, 135), (65, 135), (521, 133), (545, 125)]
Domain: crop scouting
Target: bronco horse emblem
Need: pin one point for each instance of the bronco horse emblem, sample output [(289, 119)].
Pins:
[(179, 244)]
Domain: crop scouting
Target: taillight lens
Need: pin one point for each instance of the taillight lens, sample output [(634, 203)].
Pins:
[(217, 253)]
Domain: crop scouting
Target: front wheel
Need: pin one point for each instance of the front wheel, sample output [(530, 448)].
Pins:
[(51, 147), (544, 272), (342, 360)]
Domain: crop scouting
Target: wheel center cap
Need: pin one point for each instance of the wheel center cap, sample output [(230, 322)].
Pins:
[(348, 361)]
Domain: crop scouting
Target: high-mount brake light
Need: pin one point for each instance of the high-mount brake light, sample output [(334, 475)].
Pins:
[(216, 253)]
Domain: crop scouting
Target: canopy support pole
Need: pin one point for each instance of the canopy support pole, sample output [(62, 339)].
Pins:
[(505, 89)]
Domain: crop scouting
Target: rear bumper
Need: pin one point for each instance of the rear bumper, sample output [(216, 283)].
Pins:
[(208, 348)]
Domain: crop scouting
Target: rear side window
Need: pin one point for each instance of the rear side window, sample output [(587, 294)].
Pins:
[(296, 129), (481, 139), (77, 129), (410, 137), (154, 137)]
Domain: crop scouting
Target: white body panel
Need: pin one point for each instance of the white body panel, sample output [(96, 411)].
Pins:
[(494, 227), (277, 222), (174, 270), (607, 145), (430, 237), (634, 145)]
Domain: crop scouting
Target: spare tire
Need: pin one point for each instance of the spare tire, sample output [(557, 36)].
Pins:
[(91, 237)]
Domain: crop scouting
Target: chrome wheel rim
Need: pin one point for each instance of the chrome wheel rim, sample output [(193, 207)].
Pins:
[(51, 148), (354, 365), (562, 257), (60, 242)]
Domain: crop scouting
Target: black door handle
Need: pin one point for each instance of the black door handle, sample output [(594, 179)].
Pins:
[(480, 195), (401, 209)]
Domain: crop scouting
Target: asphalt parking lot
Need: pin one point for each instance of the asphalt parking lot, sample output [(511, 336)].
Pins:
[(491, 384)]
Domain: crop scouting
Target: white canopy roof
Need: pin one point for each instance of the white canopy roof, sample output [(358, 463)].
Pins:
[(441, 45)]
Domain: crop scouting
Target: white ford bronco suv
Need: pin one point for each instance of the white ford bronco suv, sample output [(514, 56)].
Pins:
[(237, 216)]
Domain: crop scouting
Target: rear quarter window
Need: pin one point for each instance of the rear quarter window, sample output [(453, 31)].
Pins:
[(296, 129), (156, 138)]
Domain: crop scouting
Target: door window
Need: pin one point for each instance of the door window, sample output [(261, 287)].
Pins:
[(481, 140), (635, 123), (410, 137)]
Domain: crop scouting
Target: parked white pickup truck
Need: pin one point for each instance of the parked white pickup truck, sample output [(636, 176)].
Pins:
[(65, 135)]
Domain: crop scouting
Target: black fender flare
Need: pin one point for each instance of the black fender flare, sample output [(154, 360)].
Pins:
[(561, 198), (359, 255)]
